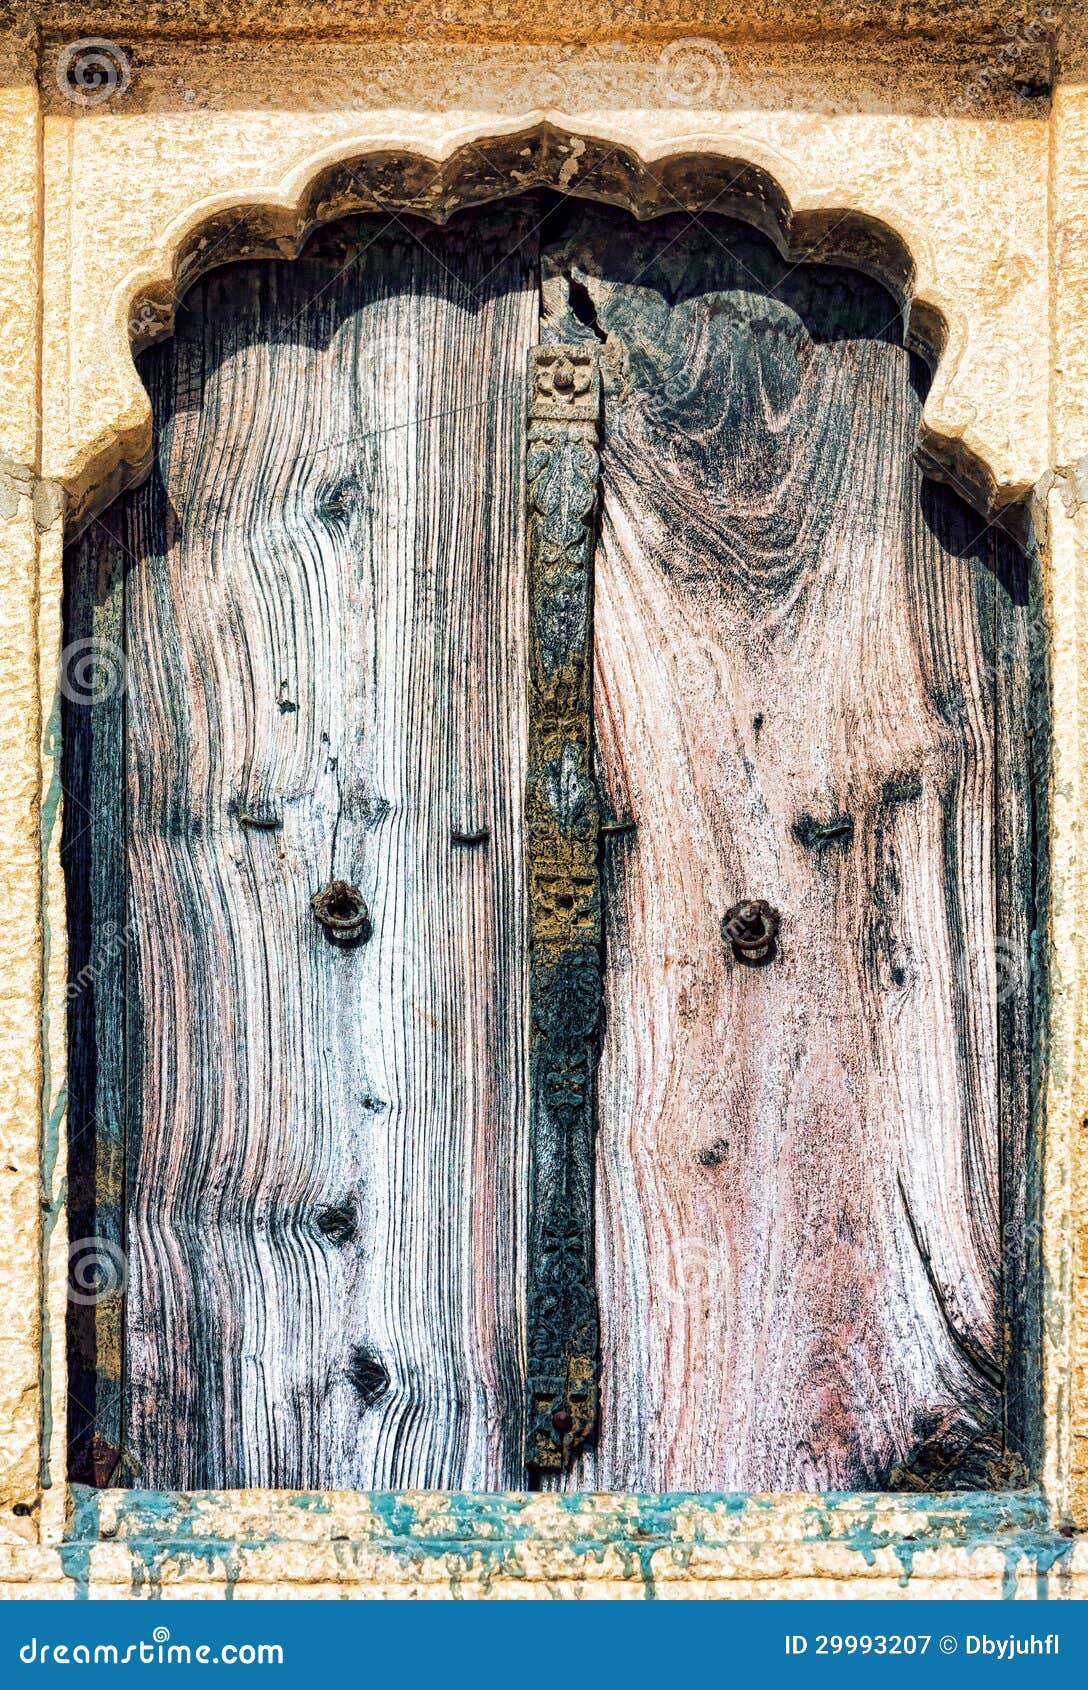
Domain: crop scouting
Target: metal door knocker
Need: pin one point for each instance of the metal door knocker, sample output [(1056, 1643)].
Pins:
[(342, 912), (751, 928)]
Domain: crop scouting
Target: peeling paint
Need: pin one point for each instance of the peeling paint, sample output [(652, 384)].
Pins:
[(471, 1543)]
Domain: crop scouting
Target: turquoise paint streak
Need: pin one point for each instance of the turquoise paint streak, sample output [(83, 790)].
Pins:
[(478, 1535), (157, 1526)]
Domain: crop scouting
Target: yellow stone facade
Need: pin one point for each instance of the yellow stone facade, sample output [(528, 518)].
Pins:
[(942, 145)]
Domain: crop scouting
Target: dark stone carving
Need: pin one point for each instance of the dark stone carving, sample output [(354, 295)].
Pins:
[(563, 821)]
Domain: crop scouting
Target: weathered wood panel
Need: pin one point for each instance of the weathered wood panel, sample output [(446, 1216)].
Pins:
[(92, 686), (813, 1212), (324, 614), (799, 1161), (1022, 774)]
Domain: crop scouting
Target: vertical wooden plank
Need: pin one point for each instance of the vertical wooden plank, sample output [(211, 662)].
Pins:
[(326, 634), (799, 1160), (92, 686), (563, 837), (1022, 727)]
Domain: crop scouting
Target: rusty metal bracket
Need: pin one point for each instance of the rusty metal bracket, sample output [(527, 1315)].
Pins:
[(563, 832)]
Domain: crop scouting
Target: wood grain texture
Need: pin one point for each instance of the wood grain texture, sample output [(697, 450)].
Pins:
[(324, 615), (800, 1163), (92, 690), (816, 683)]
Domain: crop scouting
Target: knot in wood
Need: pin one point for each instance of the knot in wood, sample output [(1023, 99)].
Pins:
[(341, 910), (751, 928)]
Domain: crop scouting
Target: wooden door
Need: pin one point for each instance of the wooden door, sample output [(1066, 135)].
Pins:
[(344, 1172), (320, 592), (811, 674)]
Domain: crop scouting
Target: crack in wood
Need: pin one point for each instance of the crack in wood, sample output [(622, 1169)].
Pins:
[(960, 1339)]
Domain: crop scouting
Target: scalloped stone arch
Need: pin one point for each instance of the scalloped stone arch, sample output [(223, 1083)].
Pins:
[(764, 190)]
